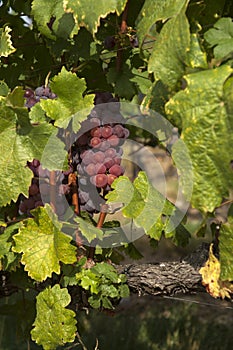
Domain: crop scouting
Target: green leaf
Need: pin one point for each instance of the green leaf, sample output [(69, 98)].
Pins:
[(196, 58), (89, 280), (169, 55), (20, 142), (142, 202), (156, 97), (154, 11), (124, 291), (226, 248), (122, 81), (107, 270), (43, 245), (54, 324), (4, 89), (94, 301), (70, 104), (6, 46), (89, 231), (55, 155), (88, 13), (206, 134), (142, 80), (127, 194), (37, 114), (43, 11), (69, 272), (221, 37)]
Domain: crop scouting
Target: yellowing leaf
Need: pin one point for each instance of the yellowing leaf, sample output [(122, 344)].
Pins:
[(207, 133), (43, 244), (54, 324), (6, 47), (210, 278), (88, 13)]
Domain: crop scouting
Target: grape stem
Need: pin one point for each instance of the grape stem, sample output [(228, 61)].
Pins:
[(75, 202), (100, 223), (52, 183), (74, 190)]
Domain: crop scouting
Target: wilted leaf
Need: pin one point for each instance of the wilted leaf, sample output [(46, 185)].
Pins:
[(211, 278)]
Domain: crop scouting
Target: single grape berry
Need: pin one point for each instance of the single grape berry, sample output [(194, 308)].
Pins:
[(28, 93), (114, 140), (99, 157), (110, 153), (96, 132), (99, 180), (95, 142), (116, 170), (106, 131), (119, 130), (90, 169), (100, 168), (111, 178)]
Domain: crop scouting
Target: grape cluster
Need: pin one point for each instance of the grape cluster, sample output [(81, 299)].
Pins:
[(94, 158), (41, 92), (96, 153)]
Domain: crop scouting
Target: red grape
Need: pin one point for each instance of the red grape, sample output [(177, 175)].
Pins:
[(116, 170), (100, 168), (90, 169), (111, 178), (114, 140), (109, 162), (104, 145), (99, 180), (96, 132), (110, 153), (119, 130), (88, 157), (95, 142), (117, 160), (106, 131), (99, 157)]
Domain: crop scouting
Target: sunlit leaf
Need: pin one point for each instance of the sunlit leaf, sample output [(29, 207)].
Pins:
[(169, 55), (226, 249), (211, 278), (154, 11), (6, 46), (70, 103), (206, 132), (20, 142), (88, 13), (43, 245)]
